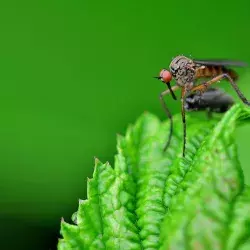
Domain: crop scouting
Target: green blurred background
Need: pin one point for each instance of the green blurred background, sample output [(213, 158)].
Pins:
[(75, 73)]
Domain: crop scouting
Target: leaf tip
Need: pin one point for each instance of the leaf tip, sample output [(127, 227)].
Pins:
[(74, 217), (119, 139), (80, 201), (97, 161)]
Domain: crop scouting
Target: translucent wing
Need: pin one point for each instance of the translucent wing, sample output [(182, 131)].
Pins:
[(222, 62)]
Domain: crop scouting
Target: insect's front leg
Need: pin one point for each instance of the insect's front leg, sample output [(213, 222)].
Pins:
[(168, 113)]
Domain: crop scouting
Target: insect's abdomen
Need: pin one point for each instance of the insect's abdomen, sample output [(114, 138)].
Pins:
[(212, 71)]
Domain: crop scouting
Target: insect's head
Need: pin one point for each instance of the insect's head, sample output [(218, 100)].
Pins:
[(165, 76)]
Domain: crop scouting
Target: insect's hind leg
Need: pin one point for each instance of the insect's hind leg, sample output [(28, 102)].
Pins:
[(204, 86), (236, 88)]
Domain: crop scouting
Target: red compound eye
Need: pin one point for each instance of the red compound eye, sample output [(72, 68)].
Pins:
[(165, 76)]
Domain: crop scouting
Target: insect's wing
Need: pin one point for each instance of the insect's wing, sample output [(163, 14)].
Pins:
[(220, 63)]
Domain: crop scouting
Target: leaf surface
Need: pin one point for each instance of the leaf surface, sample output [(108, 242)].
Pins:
[(156, 200)]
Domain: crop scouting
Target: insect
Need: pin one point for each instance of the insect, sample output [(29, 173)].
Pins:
[(213, 101), (187, 72)]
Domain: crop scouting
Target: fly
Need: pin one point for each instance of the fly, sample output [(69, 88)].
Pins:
[(186, 72), (213, 101)]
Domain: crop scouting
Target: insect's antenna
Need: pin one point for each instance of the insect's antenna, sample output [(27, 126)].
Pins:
[(171, 91), (169, 115), (183, 100)]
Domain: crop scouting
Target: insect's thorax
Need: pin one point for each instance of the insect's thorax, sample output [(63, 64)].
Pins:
[(183, 70)]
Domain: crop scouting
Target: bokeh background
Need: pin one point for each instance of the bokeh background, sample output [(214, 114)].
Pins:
[(75, 73)]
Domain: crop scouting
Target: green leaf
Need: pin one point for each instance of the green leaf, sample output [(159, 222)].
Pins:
[(157, 200)]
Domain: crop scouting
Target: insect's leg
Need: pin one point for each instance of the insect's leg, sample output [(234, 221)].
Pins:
[(171, 91), (203, 87), (168, 114), (183, 113), (209, 114), (237, 90)]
